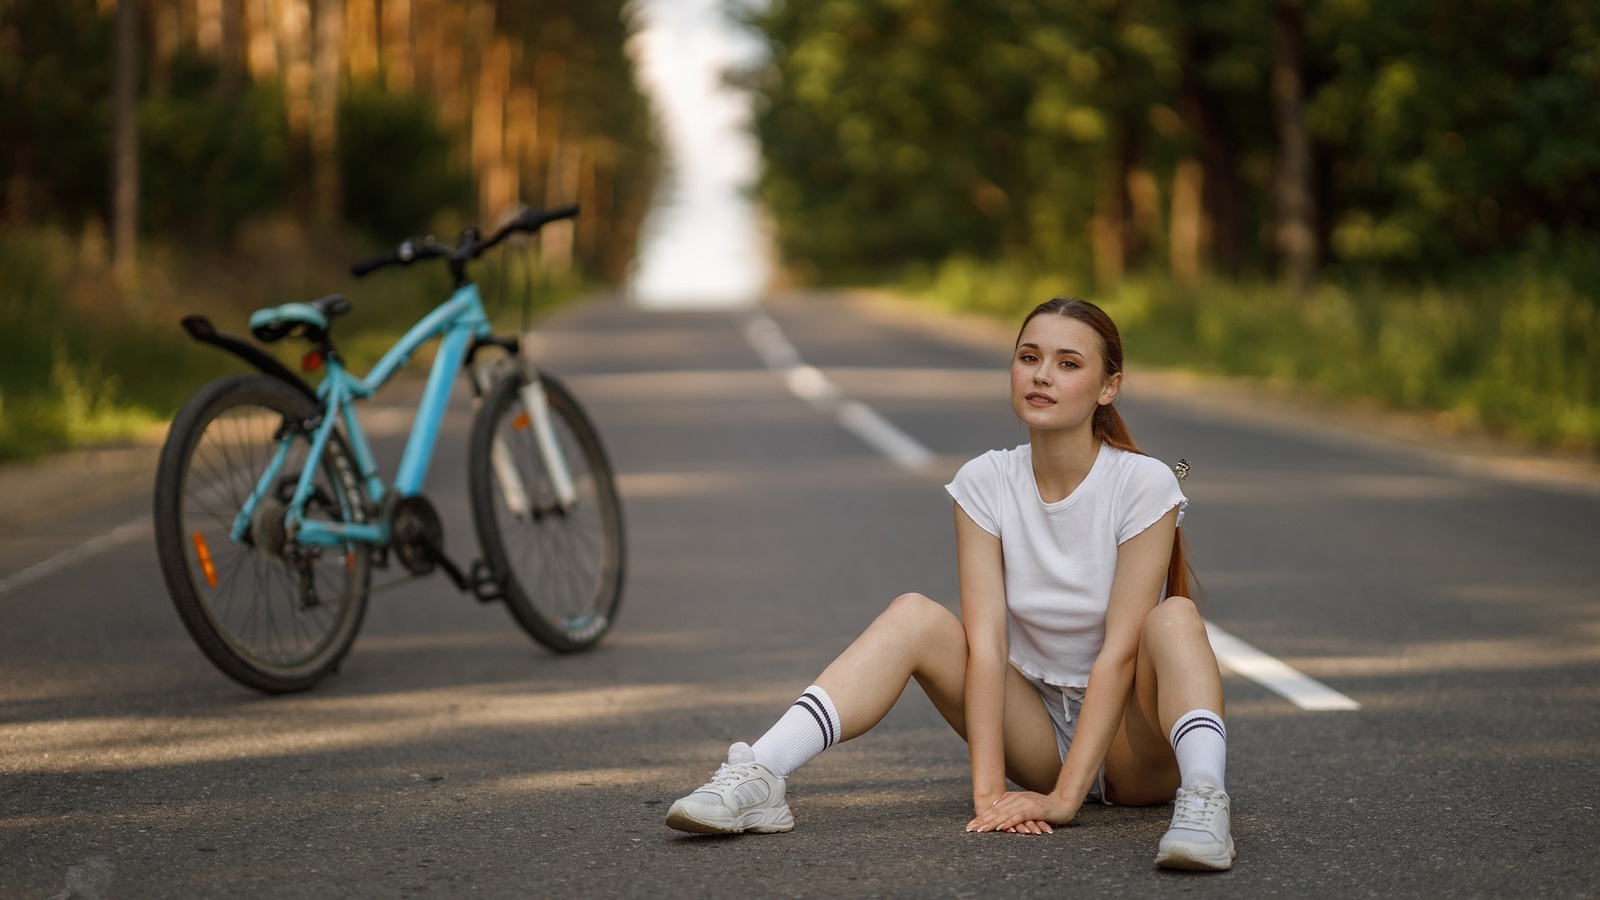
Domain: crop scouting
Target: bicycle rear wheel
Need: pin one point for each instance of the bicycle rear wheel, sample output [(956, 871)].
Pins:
[(561, 570), (244, 603)]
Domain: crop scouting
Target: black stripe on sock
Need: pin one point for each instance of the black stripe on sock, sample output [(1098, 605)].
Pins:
[(821, 726), (824, 721), (1201, 722)]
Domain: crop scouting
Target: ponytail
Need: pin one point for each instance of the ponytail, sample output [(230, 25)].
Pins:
[(1108, 426)]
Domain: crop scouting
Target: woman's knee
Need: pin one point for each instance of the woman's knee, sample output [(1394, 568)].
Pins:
[(1174, 615), (917, 614)]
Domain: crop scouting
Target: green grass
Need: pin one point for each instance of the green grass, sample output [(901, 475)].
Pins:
[(1511, 349), (84, 362)]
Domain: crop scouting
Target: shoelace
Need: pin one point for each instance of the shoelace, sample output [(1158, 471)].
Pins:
[(1196, 809), (729, 773)]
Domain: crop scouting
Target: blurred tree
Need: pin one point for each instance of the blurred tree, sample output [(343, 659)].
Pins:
[(1456, 128), (395, 163), (125, 141), (1405, 136), (210, 160), (243, 102), (54, 76), (1293, 187)]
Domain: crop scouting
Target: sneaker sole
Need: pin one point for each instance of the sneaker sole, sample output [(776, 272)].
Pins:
[(1184, 858), (682, 821)]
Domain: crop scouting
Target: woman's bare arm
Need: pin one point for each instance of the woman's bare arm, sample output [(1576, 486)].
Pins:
[(983, 615)]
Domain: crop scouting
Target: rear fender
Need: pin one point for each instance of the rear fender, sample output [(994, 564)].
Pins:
[(201, 329)]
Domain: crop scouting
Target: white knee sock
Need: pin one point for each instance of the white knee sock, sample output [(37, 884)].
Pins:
[(1201, 743), (809, 727)]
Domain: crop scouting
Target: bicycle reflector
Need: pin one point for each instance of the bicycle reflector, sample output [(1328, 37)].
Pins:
[(204, 553), (523, 420), (311, 362)]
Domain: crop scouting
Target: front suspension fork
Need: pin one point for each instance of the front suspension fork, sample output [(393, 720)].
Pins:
[(536, 405)]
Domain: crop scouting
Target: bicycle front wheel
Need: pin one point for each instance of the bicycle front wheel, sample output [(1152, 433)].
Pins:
[(560, 568), (271, 615)]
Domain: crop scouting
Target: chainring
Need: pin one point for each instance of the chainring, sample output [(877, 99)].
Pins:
[(418, 535)]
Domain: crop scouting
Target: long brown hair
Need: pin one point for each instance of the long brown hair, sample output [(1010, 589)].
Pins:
[(1108, 425)]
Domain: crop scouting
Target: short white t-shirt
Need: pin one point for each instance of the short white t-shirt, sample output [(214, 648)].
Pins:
[(1060, 557)]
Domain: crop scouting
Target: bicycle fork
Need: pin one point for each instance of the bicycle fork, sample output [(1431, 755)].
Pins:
[(536, 405)]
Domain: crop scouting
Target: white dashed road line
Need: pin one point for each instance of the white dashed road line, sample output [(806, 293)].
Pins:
[(116, 537), (809, 384), (1275, 675)]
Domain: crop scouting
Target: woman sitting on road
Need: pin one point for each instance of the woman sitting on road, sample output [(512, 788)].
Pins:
[(1067, 672)]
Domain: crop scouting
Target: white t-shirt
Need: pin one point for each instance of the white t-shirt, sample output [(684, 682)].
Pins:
[(1060, 557)]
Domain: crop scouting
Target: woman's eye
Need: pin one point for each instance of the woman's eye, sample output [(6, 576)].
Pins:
[(1068, 364)]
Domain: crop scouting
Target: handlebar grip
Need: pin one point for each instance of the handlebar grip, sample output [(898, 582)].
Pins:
[(534, 219)]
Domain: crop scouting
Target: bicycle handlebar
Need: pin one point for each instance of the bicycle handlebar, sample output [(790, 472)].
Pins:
[(469, 248)]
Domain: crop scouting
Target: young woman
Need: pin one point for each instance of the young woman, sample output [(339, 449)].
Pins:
[(1067, 672)]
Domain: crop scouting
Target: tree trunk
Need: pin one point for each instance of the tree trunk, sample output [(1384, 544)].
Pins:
[(231, 53), (361, 30), (1187, 234), (125, 141), (396, 55), (1221, 195), (326, 69), (1294, 194), (1105, 236)]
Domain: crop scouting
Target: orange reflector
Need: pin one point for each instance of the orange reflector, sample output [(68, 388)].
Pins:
[(521, 421), (204, 552)]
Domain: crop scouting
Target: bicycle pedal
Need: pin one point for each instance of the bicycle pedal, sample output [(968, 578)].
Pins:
[(487, 584)]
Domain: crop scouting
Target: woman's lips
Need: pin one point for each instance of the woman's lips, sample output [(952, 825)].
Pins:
[(1037, 398)]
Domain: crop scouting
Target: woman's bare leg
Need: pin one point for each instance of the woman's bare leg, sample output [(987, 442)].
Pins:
[(914, 638), (1177, 672), (917, 638)]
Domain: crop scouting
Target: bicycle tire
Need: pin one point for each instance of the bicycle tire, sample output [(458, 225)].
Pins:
[(241, 602), (560, 572)]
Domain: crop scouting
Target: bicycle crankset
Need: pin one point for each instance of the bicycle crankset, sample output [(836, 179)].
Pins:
[(418, 535)]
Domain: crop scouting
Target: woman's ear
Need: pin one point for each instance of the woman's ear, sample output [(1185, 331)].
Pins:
[(1112, 387)]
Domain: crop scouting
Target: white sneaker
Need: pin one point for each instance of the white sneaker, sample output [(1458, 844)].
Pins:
[(742, 796), (1198, 838)]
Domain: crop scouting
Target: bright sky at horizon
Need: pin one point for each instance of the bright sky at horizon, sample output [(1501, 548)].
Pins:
[(704, 243)]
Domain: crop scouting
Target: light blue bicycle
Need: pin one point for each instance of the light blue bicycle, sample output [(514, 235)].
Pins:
[(270, 512)]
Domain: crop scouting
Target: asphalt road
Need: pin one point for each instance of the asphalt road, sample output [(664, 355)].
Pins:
[(452, 756)]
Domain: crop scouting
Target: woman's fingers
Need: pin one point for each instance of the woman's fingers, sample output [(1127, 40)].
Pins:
[(1016, 813)]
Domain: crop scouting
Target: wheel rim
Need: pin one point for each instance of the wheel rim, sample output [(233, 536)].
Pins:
[(564, 562), (252, 599)]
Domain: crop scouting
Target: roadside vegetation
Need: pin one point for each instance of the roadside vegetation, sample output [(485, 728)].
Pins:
[(1397, 201), (253, 157), (1514, 351)]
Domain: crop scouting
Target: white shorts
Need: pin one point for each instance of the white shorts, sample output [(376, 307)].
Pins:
[(1064, 705)]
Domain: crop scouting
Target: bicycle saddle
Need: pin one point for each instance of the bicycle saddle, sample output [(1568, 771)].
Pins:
[(312, 319)]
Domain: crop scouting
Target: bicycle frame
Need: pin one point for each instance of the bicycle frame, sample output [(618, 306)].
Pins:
[(460, 320)]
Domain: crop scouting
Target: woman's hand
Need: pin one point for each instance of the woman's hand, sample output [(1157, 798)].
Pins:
[(1024, 812)]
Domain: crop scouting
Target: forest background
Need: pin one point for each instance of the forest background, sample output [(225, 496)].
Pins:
[(166, 157), (1397, 201)]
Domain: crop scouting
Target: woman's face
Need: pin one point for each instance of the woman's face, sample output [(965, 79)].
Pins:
[(1058, 374)]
